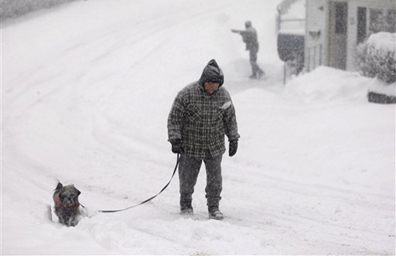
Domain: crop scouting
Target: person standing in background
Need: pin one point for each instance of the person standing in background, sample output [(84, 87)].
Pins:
[(249, 37)]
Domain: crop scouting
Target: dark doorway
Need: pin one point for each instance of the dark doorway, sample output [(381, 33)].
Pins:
[(338, 27), (361, 24)]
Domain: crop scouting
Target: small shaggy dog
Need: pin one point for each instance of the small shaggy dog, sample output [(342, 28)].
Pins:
[(67, 206)]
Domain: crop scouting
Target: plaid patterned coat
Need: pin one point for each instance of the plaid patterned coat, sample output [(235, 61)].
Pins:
[(201, 120)]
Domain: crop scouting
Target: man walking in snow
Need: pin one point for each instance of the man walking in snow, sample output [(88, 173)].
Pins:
[(249, 37), (201, 115)]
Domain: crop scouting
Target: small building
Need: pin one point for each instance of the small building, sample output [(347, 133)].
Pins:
[(291, 35), (335, 27)]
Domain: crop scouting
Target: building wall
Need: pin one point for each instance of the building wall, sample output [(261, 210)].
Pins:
[(315, 37), (352, 34), (352, 24), (317, 19)]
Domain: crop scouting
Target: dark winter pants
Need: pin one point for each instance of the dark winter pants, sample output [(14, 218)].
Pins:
[(188, 173), (253, 62)]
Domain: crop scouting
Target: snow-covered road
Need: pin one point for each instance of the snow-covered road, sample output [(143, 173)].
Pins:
[(86, 91)]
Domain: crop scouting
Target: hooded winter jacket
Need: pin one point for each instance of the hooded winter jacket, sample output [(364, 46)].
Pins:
[(202, 120)]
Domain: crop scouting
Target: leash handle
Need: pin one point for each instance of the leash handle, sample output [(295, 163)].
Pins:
[(149, 199)]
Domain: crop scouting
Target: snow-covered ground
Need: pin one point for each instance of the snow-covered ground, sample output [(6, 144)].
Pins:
[(86, 91)]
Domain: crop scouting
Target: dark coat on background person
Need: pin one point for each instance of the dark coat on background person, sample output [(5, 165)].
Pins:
[(249, 37), (202, 120)]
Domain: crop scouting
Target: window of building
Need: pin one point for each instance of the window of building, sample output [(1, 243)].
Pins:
[(391, 21), (382, 20)]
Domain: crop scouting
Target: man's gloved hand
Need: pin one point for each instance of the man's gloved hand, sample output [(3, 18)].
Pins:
[(177, 146), (233, 147)]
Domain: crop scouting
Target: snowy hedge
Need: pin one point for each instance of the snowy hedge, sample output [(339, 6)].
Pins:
[(376, 57), (15, 8)]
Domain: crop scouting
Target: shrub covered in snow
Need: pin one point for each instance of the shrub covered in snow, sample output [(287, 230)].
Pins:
[(15, 8), (376, 57)]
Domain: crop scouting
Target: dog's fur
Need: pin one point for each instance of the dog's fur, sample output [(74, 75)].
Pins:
[(67, 206)]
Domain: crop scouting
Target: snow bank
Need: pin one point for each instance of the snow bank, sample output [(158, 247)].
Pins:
[(16, 8), (378, 86), (328, 84)]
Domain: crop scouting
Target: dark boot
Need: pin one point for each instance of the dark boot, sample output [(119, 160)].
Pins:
[(260, 74), (186, 208), (215, 213)]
